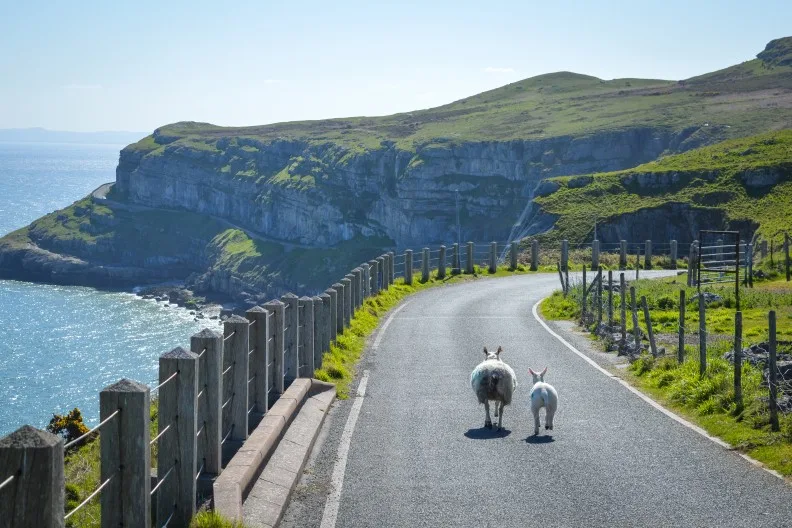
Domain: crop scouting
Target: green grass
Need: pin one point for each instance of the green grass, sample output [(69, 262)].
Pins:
[(557, 104), (706, 179), (709, 400), (210, 519)]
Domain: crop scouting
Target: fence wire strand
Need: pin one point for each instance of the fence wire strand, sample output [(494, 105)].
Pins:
[(89, 497), (85, 435), (166, 381), (6, 481)]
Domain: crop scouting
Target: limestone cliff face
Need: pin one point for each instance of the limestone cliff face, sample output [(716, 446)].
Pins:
[(319, 194)]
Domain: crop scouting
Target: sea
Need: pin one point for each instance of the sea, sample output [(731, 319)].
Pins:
[(60, 345)]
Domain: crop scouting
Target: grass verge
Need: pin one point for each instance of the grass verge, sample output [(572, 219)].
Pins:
[(708, 400)]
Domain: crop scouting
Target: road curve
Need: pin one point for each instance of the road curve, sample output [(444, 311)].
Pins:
[(420, 457)]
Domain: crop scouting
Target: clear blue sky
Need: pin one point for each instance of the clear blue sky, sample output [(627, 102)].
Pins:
[(110, 65)]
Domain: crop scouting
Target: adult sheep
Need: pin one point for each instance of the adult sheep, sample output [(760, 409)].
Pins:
[(493, 380)]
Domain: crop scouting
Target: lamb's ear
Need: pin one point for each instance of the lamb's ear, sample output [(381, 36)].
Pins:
[(531, 372), (485, 351), (500, 349), (543, 373)]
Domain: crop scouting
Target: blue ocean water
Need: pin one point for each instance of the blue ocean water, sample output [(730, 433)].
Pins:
[(59, 345)]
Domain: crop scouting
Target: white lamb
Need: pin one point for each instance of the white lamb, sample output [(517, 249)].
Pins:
[(493, 380), (543, 395)]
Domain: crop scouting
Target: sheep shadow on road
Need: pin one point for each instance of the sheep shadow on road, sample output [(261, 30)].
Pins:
[(536, 439), (482, 433)]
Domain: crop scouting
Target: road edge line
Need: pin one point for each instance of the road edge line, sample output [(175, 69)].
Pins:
[(652, 402), (330, 513)]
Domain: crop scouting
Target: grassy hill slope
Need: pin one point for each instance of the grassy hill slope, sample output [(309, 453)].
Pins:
[(750, 179), (748, 98)]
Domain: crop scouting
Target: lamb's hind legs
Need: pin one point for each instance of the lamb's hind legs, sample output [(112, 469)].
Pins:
[(487, 421), (536, 422), (500, 418)]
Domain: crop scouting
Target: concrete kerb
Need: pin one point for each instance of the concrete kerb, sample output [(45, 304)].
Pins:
[(302, 407)]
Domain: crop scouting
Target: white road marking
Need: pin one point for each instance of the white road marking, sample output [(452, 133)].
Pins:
[(461, 317), (330, 513), (649, 400)]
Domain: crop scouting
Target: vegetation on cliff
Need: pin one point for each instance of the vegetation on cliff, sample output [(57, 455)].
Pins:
[(556, 104), (750, 179)]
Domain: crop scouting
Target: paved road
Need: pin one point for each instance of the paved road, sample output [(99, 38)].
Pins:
[(420, 457)]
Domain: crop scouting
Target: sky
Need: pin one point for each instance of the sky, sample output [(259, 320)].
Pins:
[(98, 65)]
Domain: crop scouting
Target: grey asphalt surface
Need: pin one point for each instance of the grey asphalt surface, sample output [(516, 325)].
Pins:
[(420, 456)]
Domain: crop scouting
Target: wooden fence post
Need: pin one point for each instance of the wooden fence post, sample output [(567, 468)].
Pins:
[(259, 357), (33, 459), (595, 255), (291, 333), (534, 255), (636, 328), (738, 397), (125, 455), (648, 321), (749, 265), (623, 311), (456, 267), (690, 264), (599, 299), (237, 346), (208, 346), (425, 265), (513, 248), (565, 255), (493, 264), (681, 330), (381, 267), (441, 263), (702, 335), (469, 261), (408, 267), (392, 271), (349, 309), (384, 280), (366, 278), (622, 254), (333, 316), (306, 350), (763, 249), (340, 308), (610, 299), (584, 307), (357, 282), (328, 326), (277, 347), (787, 266), (373, 277), (318, 333), (674, 254), (773, 373), (648, 255), (178, 444)]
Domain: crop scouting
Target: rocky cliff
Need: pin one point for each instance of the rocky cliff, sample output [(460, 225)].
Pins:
[(257, 210), (319, 195)]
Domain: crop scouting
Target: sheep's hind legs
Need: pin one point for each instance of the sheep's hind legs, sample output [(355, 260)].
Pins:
[(500, 418), (536, 423), (487, 421)]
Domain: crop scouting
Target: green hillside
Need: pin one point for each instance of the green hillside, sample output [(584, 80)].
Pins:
[(752, 97), (749, 178)]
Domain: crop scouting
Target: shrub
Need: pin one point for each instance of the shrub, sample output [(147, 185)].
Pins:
[(69, 426), (666, 303)]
